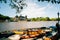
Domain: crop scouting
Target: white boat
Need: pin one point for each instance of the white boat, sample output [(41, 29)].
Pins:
[(14, 37)]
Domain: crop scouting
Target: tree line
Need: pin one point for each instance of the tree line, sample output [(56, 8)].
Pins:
[(3, 18), (43, 19)]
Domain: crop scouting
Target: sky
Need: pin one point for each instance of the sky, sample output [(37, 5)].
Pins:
[(33, 9)]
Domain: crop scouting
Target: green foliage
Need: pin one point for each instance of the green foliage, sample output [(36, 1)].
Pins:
[(58, 19), (2, 17), (16, 16), (52, 1), (5, 1), (44, 19), (33, 19), (11, 20), (53, 19), (47, 19), (20, 4), (38, 18), (16, 4)]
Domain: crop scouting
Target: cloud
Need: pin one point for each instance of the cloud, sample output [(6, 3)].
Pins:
[(33, 10)]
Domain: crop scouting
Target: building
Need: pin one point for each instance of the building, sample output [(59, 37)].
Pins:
[(20, 18), (23, 18)]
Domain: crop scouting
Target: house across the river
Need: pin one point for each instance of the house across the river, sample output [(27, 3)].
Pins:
[(20, 18)]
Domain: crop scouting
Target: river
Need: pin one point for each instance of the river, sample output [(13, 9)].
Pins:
[(22, 25)]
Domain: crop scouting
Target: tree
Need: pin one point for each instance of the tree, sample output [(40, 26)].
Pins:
[(16, 16), (47, 19), (53, 19), (42, 19), (20, 4), (33, 19), (52, 1), (2, 17), (58, 19), (17, 4), (38, 18)]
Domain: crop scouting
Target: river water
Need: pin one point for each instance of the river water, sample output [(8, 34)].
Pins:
[(22, 25)]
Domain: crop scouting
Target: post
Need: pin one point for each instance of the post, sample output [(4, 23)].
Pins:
[(57, 24), (58, 17)]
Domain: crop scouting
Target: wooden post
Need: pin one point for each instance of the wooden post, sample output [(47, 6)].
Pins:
[(58, 17), (57, 24)]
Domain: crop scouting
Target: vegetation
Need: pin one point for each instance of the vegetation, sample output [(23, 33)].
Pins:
[(52, 1), (20, 4), (44, 19), (3, 18), (16, 4)]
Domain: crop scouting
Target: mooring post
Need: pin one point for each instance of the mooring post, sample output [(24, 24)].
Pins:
[(58, 17), (57, 24)]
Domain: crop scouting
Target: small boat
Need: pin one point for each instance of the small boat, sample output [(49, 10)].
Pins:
[(14, 37), (18, 32), (6, 34)]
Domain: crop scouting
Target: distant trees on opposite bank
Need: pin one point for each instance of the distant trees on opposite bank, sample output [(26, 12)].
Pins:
[(43, 19), (3, 18)]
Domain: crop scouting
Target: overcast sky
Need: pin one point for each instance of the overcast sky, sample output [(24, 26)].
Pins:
[(33, 9)]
